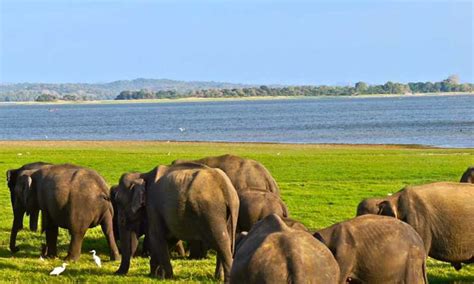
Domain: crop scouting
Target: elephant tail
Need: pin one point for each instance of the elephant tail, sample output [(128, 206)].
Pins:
[(232, 215)]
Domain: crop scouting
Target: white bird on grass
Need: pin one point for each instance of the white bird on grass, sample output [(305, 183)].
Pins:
[(96, 258), (58, 270)]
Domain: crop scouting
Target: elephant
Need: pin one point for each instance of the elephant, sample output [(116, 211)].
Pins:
[(186, 201), (245, 174), (440, 212), (256, 205), (18, 209), (468, 175), (142, 228), (70, 197), (376, 249), (278, 251)]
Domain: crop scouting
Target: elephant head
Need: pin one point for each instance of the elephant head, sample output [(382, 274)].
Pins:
[(468, 175), (25, 194), (130, 199), (369, 206)]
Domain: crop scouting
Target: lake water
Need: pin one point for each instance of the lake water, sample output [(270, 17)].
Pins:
[(444, 121)]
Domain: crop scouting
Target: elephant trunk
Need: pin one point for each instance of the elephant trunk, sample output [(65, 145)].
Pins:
[(126, 250), (18, 214), (128, 247)]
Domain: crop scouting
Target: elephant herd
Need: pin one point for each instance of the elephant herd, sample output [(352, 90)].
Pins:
[(233, 206)]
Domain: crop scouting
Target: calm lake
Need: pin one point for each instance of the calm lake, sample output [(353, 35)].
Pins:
[(444, 121)]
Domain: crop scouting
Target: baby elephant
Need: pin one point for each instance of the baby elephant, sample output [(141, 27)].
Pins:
[(279, 250), (256, 205), (376, 249)]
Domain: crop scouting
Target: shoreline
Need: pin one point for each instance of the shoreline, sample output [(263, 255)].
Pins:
[(231, 99), (127, 143)]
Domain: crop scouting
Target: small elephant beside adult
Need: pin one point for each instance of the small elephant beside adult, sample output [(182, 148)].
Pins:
[(18, 209), (468, 175), (376, 249), (442, 213), (280, 250), (185, 201), (70, 197)]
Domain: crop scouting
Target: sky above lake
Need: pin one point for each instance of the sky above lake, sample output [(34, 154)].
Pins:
[(255, 42)]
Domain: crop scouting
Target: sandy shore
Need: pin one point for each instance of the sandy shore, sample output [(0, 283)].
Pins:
[(195, 99)]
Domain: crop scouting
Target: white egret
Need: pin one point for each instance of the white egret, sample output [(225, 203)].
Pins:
[(96, 258), (182, 129), (58, 270)]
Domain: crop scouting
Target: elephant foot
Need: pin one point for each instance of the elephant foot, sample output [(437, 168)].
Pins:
[(14, 249), (121, 271), (115, 257), (456, 265), (160, 273), (72, 258)]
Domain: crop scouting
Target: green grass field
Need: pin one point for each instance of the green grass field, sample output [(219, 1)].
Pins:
[(321, 184)]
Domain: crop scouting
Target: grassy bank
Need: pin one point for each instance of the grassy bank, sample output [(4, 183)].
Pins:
[(321, 184)]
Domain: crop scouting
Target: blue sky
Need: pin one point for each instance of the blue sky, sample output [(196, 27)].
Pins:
[(258, 42)]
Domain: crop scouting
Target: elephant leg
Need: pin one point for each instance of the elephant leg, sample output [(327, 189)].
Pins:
[(134, 243), (16, 226), (34, 221), (108, 230), (75, 246), (160, 263), (51, 241), (145, 247), (179, 248), (214, 232)]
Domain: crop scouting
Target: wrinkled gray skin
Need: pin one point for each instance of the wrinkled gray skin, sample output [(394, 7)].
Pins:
[(277, 251), (69, 197), (376, 249), (187, 202), (245, 174), (18, 209), (442, 213), (256, 205), (131, 229), (141, 231), (468, 175)]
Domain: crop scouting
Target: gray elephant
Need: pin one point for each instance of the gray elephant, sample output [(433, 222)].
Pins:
[(278, 251), (141, 229), (187, 202), (442, 213), (19, 210), (245, 174), (376, 249), (468, 175), (69, 197), (256, 205)]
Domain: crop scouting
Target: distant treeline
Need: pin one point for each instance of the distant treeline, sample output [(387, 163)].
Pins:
[(451, 84)]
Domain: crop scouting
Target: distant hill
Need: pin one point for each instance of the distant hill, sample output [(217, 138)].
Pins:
[(103, 91)]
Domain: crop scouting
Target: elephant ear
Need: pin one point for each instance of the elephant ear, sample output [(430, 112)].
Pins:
[(387, 208), (138, 195)]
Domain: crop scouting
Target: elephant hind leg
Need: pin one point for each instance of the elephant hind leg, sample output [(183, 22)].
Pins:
[(75, 246), (108, 230), (51, 231), (215, 233), (160, 263)]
